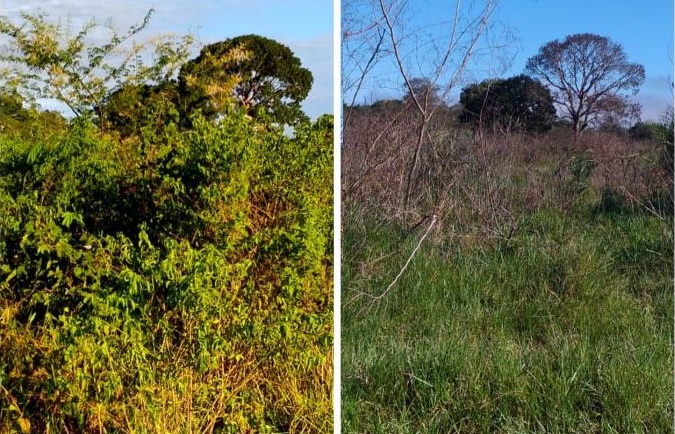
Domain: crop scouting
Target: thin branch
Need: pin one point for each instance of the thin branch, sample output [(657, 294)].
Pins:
[(399, 59), (369, 65), (375, 298)]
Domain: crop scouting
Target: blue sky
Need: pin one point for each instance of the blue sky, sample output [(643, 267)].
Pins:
[(644, 29), (305, 26)]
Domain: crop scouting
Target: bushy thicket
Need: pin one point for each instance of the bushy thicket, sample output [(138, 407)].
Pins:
[(484, 185), (173, 281)]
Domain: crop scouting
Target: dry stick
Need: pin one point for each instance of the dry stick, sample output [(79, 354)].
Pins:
[(400, 273), (377, 297), (362, 79)]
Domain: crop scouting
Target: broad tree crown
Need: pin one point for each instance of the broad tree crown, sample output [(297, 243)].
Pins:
[(584, 72)]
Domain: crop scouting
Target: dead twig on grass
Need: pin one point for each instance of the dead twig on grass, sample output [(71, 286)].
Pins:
[(375, 298)]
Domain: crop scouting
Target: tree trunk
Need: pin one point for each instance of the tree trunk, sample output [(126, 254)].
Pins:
[(576, 132)]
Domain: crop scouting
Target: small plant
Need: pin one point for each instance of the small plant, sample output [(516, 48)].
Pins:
[(612, 202), (581, 168)]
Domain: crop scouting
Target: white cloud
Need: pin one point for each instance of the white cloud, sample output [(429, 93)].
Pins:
[(655, 96), (123, 11)]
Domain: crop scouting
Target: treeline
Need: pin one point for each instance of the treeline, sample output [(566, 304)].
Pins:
[(583, 81)]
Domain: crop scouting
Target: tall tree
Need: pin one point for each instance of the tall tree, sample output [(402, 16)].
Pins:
[(583, 72), (260, 73), (514, 104)]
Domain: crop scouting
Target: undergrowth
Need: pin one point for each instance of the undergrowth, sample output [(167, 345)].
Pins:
[(174, 282), (567, 330), (541, 302)]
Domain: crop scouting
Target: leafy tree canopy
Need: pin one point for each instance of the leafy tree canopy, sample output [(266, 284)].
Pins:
[(516, 103), (110, 83), (133, 107), (269, 78)]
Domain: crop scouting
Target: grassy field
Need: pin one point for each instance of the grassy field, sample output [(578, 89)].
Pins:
[(568, 330), (560, 321)]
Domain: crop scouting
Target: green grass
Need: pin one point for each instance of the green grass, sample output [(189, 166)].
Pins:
[(567, 329)]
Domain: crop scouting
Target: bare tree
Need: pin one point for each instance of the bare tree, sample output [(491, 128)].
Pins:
[(362, 47), (454, 54), (586, 73)]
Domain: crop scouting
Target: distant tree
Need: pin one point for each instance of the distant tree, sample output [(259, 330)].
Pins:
[(425, 90), (19, 119), (583, 72), (386, 105), (11, 109), (514, 104), (260, 73), (383, 106), (650, 130)]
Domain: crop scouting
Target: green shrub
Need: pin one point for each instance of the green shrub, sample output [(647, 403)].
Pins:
[(176, 282)]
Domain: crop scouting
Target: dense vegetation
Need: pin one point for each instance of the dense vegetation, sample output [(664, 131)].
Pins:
[(526, 289), (166, 277)]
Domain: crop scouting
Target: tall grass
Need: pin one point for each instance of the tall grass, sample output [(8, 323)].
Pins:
[(541, 303), (568, 331)]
